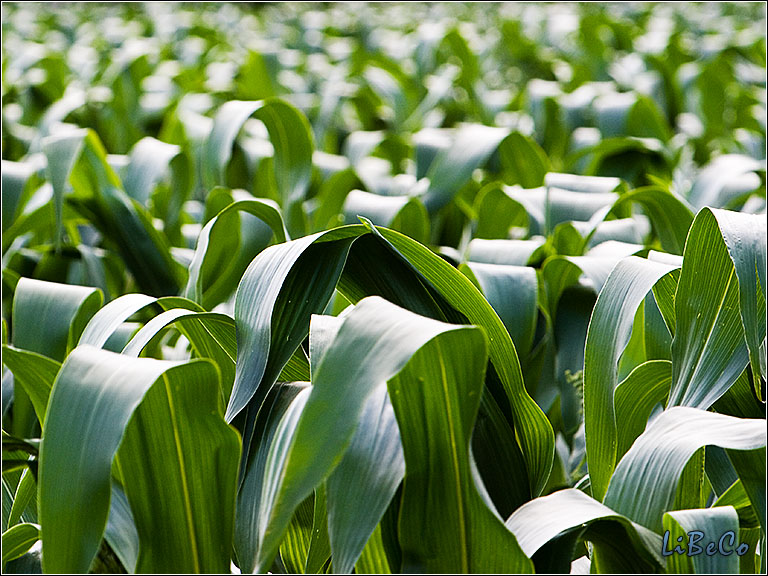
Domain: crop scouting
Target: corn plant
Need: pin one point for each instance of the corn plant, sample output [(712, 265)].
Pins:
[(379, 289)]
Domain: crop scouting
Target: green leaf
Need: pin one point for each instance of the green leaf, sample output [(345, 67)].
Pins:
[(644, 483), (369, 472), (607, 336), (326, 207), (549, 206), (630, 114), (247, 521), (402, 213), (631, 157), (709, 350), (234, 236), (297, 368), (646, 120), (175, 452), (319, 554), (497, 213), (149, 162), (273, 280), (269, 329), (532, 429), (17, 180), (373, 559), (290, 134), (114, 314), (48, 317), (120, 533), (445, 524), (549, 527), (716, 183), (500, 251), (13, 444), (658, 339), (99, 196), (39, 221), (670, 215), (18, 539), (580, 183), (62, 153), (569, 331), (111, 316), (750, 467), (452, 167), (34, 373), (512, 291), (128, 226), (375, 267), (635, 398), (745, 237), (211, 335), (295, 545), (194, 456), (740, 399), (159, 175), (523, 161), (737, 497), (24, 507), (384, 338)]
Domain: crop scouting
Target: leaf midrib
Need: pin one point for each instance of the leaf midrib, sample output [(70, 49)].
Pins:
[(183, 473), (455, 462), (714, 323)]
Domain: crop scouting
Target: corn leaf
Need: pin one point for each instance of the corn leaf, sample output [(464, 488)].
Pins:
[(34, 374), (247, 520), (709, 350), (670, 215), (108, 392), (643, 485), (226, 245), (445, 523), (548, 529), (453, 166), (49, 317), (370, 471), (609, 331), (319, 430), (291, 137), (78, 158), (18, 539), (636, 397)]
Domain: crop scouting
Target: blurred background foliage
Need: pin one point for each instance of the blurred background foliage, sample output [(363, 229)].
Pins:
[(470, 128), (159, 147)]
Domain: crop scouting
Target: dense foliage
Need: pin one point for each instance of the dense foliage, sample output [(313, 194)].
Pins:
[(383, 288)]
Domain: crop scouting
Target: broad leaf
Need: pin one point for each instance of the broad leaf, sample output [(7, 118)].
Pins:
[(291, 137), (709, 350), (548, 529), (607, 336), (186, 455), (643, 485)]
